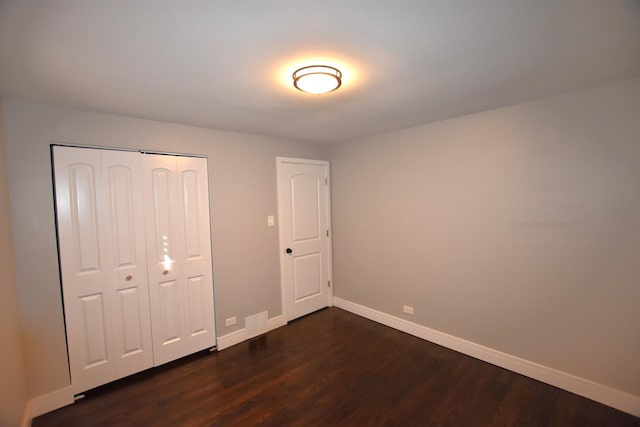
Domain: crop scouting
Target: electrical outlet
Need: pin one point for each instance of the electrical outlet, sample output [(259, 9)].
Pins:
[(231, 321), (407, 309)]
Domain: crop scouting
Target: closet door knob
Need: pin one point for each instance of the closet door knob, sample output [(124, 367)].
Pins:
[(128, 278), (165, 272), (288, 251)]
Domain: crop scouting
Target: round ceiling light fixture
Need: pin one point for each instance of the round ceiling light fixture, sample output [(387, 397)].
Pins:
[(317, 79)]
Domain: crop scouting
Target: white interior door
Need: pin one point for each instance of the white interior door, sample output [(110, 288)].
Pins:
[(303, 206), (179, 255)]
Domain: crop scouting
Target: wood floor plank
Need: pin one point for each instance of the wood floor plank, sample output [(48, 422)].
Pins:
[(332, 368)]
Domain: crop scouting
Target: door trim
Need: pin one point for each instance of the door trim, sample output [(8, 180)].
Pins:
[(281, 246)]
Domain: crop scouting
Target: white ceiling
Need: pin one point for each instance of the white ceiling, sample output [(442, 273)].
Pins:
[(226, 64)]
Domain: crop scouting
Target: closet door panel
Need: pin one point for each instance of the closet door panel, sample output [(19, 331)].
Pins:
[(124, 215), (193, 191), (94, 324), (164, 243), (163, 182), (84, 217), (170, 307), (198, 319), (132, 330), (84, 266)]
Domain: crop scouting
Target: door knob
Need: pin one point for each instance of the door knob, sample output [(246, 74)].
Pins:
[(288, 251), (128, 278)]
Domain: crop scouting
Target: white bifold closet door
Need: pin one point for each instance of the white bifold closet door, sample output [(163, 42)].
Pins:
[(127, 306), (179, 255), (104, 264)]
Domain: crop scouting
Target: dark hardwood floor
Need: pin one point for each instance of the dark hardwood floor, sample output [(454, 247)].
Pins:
[(332, 368)]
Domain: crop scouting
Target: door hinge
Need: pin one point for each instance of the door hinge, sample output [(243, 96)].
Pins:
[(326, 181), (328, 283), (327, 233)]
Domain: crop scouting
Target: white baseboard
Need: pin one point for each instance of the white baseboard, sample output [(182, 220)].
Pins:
[(46, 403), (236, 337), (600, 393)]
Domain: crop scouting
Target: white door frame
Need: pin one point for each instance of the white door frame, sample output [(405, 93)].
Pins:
[(282, 246)]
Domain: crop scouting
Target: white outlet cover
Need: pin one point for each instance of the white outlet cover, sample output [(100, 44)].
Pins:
[(271, 221)]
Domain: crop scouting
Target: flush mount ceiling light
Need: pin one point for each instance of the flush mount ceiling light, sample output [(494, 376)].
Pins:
[(317, 79)]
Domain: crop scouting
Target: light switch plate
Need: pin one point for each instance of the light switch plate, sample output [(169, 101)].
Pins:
[(271, 221)]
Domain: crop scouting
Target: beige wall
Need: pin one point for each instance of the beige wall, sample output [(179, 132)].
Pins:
[(243, 188), (13, 395), (517, 229)]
